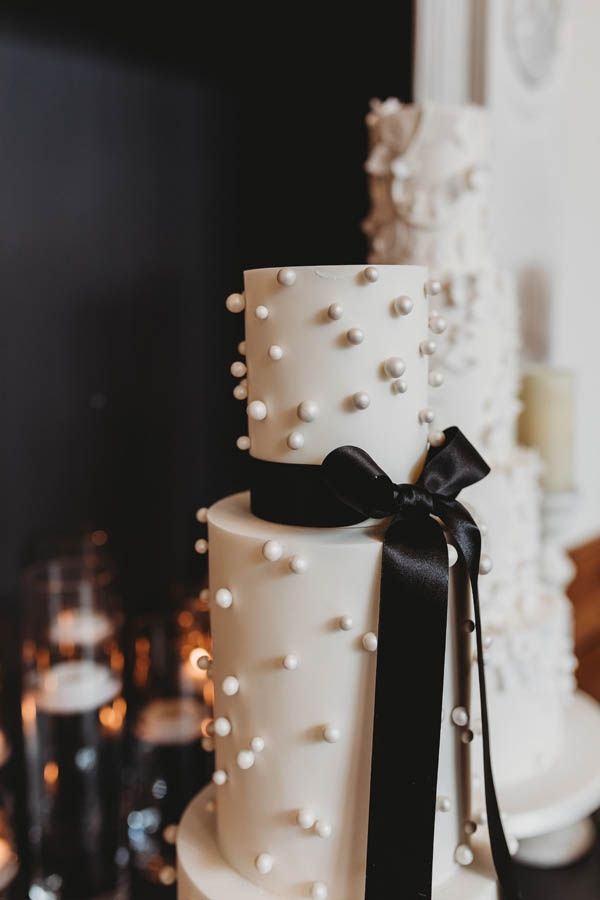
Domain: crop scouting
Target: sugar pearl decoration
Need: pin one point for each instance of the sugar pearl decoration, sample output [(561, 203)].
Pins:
[(230, 686), (222, 726), (298, 565), (305, 819), (444, 804), (204, 663), (224, 598), (245, 759), (436, 378), (240, 392), (238, 369), (242, 348), (437, 324), (470, 827), (433, 287), (345, 623), (371, 274), (219, 777), (290, 662), (400, 386), (513, 844), (361, 400), (467, 736), (264, 863), (355, 336), (331, 734), (201, 546), (286, 277), (437, 438), (318, 891), (403, 305), (394, 367), (202, 514), (243, 442), (452, 555), (369, 641), (235, 303), (275, 352), (463, 855), (272, 550), (308, 411), (261, 312), (427, 348), (323, 829), (257, 410), (335, 311), (426, 416), (295, 440), (469, 626), (485, 564), (460, 716), (257, 744)]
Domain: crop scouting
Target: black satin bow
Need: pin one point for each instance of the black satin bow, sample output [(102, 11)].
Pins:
[(411, 652)]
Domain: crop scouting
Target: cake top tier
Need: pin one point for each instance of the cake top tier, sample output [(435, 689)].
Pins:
[(336, 355), (429, 184)]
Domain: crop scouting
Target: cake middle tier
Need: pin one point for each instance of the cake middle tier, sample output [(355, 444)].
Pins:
[(294, 616)]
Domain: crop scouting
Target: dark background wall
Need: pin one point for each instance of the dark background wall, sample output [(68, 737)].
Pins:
[(141, 169)]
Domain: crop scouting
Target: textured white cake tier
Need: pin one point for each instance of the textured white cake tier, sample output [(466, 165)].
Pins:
[(329, 681), (296, 353)]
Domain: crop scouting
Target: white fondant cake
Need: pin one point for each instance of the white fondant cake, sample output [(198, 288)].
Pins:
[(429, 185)]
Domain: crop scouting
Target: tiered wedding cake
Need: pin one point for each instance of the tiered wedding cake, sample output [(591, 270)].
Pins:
[(429, 183), (334, 355)]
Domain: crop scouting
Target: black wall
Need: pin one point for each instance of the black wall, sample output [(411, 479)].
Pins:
[(137, 179)]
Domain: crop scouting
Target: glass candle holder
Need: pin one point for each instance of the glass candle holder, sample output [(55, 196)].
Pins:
[(73, 718)]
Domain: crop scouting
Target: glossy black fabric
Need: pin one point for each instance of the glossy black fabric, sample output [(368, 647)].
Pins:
[(412, 638)]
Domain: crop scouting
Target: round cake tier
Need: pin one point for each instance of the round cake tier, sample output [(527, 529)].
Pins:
[(294, 619), (337, 355)]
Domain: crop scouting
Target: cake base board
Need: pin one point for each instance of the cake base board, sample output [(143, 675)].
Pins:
[(203, 874), (567, 792)]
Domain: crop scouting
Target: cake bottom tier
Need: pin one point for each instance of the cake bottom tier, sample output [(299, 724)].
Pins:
[(294, 616)]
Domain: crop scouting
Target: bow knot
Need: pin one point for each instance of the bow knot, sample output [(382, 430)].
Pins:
[(413, 499)]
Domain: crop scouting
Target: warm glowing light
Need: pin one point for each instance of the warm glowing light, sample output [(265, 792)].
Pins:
[(117, 660), (99, 538), (196, 655), (208, 693), (112, 716), (185, 619), (51, 773), (28, 652), (28, 711)]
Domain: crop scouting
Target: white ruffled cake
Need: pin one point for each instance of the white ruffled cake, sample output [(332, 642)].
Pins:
[(429, 185), (333, 355)]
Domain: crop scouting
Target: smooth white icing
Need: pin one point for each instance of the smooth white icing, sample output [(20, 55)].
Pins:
[(315, 718)]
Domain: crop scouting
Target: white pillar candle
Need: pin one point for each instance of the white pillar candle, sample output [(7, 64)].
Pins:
[(546, 423), (174, 720), (82, 627), (74, 687)]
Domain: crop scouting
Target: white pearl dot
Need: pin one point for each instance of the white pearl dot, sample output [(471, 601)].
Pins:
[(403, 305), (485, 564), (238, 369), (257, 410), (204, 595), (245, 759), (394, 367), (437, 324), (331, 734), (355, 336), (319, 891), (426, 416), (470, 827), (427, 348), (467, 736), (257, 744), (469, 626), (290, 662), (230, 686), (437, 438), (240, 392), (272, 550), (204, 663), (463, 855), (323, 829), (400, 386), (460, 716), (224, 598), (436, 378), (201, 546), (242, 348), (361, 400), (298, 565), (444, 804), (433, 287), (202, 514), (275, 352), (305, 819), (222, 726), (308, 411), (264, 863), (243, 442), (295, 440), (286, 277), (345, 623), (235, 303), (335, 311), (513, 844), (371, 274), (261, 312), (452, 555), (219, 777), (369, 641)]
